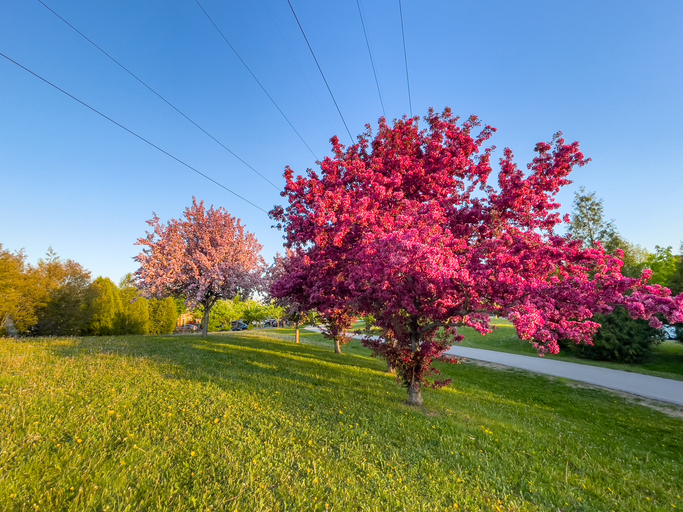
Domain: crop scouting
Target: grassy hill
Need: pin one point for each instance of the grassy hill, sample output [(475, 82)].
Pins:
[(248, 422)]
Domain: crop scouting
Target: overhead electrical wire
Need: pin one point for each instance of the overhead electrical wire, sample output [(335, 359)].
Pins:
[(284, 40), (319, 69), (405, 57), (254, 77), (367, 42), (158, 95), (132, 133)]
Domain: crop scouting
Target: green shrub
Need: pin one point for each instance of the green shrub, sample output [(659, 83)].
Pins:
[(620, 339)]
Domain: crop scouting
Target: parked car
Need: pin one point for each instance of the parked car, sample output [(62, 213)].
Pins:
[(271, 322), (188, 328), (239, 326), (669, 332)]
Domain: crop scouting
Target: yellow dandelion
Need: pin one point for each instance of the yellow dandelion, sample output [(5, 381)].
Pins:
[(192, 454), (216, 420), (79, 440)]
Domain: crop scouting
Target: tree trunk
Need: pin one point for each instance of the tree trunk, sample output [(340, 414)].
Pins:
[(296, 336), (415, 394), (337, 345), (205, 323), (390, 369), (415, 389)]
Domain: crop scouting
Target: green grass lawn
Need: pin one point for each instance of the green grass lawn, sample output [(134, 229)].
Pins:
[(250, 421)]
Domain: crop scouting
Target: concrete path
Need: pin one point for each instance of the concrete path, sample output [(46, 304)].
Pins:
[(666, 390), (656, 388)]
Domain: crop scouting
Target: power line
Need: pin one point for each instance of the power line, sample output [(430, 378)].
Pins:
[(319, 69), (132, 132), (405, 57), (254, 77), (284, 40), (367, 42), (157, 94)]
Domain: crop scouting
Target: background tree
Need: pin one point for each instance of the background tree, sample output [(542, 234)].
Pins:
[(676, 285), (335, 324), (134, 315), (620, 339), (405, 226), (205, 256), (676, 280), (20, 293), (69, 295), (287, 280), (224, 313), (663, 264), (275, 312), (106, 307), (254, 312), (588, 224), (162, 315)]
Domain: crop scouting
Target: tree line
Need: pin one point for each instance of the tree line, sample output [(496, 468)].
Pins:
[(58, 297)]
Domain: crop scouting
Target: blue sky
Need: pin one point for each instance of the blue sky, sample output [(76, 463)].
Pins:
[(608, 74)]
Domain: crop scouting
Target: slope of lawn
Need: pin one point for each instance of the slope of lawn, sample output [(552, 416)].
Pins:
[(248, 422)]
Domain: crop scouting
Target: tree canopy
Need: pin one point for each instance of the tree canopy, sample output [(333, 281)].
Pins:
[(405, 226), (205, 256)]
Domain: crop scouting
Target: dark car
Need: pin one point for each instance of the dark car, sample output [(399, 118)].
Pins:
[(239, 326)]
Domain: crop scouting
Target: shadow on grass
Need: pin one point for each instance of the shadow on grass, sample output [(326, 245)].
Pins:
[(234, 361)]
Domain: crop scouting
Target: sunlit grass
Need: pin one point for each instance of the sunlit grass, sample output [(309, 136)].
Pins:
[(245, 422)]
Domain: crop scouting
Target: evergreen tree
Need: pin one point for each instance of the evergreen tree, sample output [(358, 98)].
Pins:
[(107, 307), (134, 317), (162, 315)]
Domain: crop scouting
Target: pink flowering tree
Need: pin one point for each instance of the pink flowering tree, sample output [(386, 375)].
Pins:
[(335, 324), (205, 256), (289, 293), (406, 226)]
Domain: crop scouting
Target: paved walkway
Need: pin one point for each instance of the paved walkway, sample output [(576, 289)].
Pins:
[(666, 390), (657, 388)]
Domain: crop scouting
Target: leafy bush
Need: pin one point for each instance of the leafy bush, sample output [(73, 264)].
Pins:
[(620, 339)]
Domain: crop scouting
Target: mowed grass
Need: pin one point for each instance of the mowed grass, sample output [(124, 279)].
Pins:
[(250, 422)]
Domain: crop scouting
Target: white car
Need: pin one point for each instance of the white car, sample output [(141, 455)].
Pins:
[(669, 332)]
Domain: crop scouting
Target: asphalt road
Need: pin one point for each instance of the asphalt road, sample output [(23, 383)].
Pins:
[(657, 388)]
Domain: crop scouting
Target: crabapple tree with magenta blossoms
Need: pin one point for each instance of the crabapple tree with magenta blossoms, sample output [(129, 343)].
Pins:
[(406, 226), (205, 256)]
